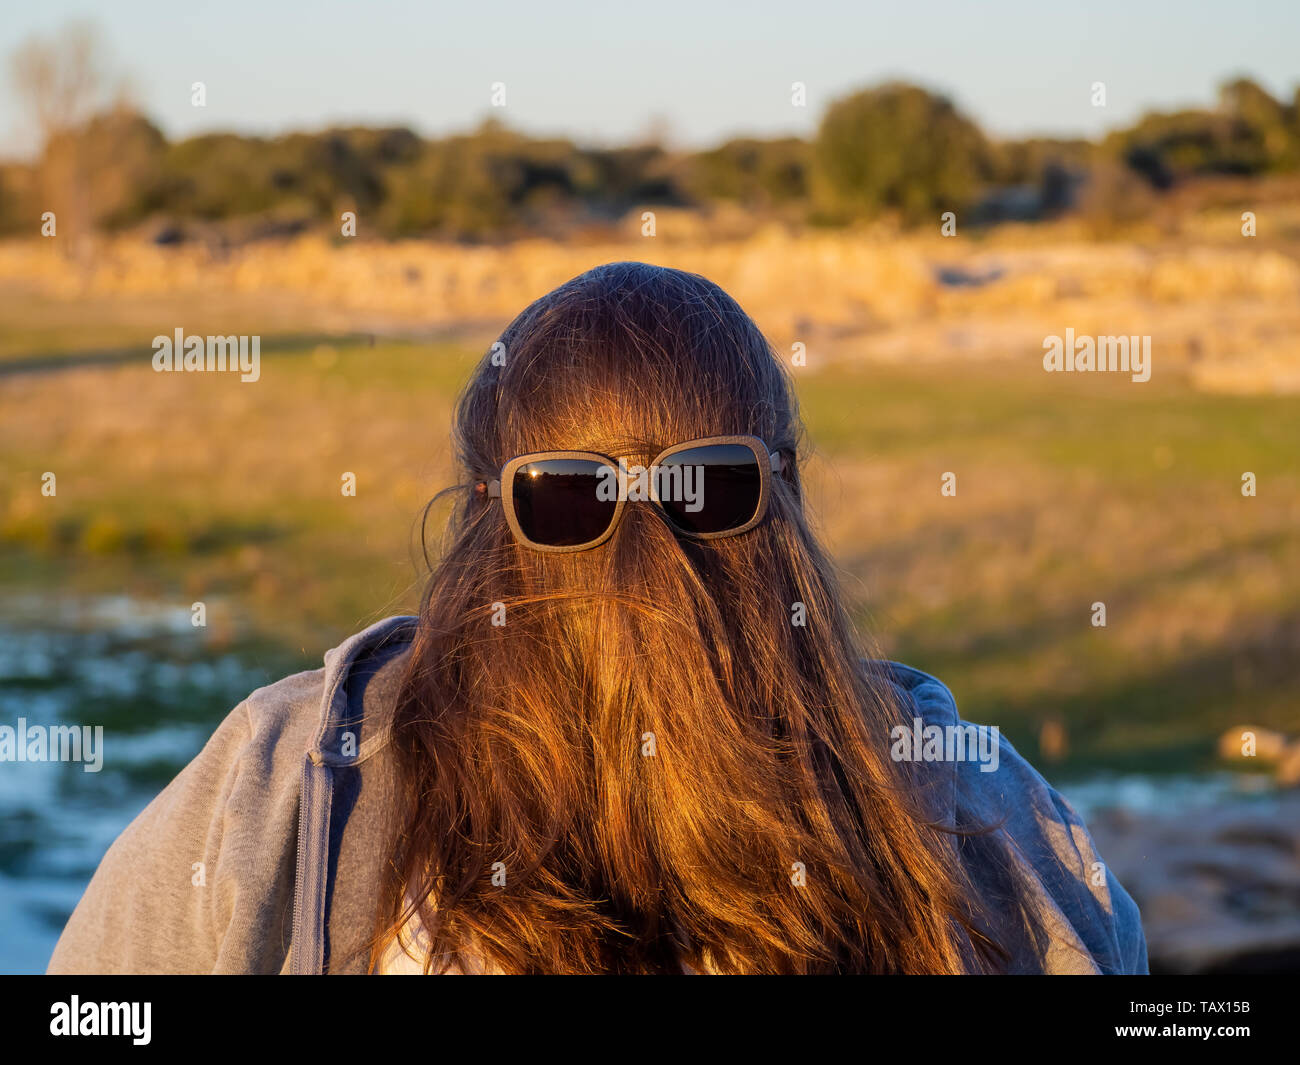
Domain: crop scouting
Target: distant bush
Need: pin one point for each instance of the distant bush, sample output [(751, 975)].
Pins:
[(756, 174), (898, 149), (1249, 133)]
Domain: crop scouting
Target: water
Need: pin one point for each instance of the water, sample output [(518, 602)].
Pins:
[(1182, 793), (145, 674)]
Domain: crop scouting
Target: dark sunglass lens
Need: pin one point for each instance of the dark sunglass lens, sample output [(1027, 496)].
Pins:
[(565, 502), (711, 488)]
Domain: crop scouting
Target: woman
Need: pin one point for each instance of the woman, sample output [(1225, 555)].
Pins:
[(631, 729)]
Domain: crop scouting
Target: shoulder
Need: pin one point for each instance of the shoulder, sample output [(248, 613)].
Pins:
[(232, 814), (285, 710), (988, 783), (308, 711)]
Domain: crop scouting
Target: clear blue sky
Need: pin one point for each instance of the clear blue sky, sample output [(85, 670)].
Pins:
[(602, 72)]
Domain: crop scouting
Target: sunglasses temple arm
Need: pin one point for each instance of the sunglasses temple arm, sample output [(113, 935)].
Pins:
[(776, 462)]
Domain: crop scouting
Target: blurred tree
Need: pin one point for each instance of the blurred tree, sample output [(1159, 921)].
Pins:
[(216, 176), (19, 199), (897, 148), (1027, 162), (1269, 125), (495, 183), (757, 174), (122, 153), (63, 80), (1249, 133)]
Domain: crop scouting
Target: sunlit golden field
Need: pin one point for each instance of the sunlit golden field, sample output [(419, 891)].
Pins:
[(1222, 308)]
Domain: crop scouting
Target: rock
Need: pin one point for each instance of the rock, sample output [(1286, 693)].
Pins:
[(1219, 891), (1268, 746)]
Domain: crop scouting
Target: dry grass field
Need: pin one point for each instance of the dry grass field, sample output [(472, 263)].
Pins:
[(1223, 309)]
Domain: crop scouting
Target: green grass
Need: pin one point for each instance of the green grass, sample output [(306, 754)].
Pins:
[(1202, 585), (1103, 423)]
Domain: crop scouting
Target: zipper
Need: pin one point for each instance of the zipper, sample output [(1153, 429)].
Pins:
[(308, 942)]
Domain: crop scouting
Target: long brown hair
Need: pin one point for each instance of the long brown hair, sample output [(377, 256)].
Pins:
[(650, 764)]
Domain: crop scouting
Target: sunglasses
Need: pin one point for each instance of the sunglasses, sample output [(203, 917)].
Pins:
[(573, 500)]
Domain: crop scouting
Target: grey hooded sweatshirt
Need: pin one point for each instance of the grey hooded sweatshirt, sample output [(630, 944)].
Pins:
[(264, 854)]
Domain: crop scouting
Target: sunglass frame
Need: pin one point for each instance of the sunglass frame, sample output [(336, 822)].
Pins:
[(768, 463)]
